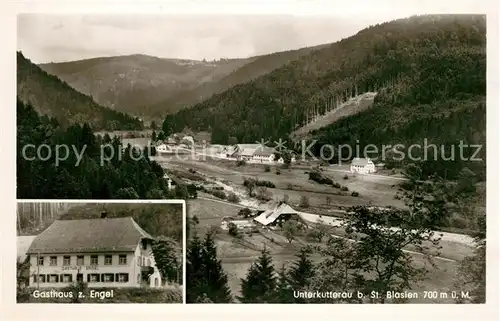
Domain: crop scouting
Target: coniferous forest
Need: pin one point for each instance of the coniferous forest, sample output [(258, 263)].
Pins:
[(429, 73), (126, 176)]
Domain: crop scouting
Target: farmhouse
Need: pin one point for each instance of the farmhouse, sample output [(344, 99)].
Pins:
[(105, 252), (264, 154), (164, 148), (244, 151), (362, 165), (277, 215)]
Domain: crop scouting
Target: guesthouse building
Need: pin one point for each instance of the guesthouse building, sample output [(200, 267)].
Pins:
[(105, 252), (362, 166)]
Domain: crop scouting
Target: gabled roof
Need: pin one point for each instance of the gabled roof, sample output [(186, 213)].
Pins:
[(271, 215), (90, 235), (360, 161), (264, 151)]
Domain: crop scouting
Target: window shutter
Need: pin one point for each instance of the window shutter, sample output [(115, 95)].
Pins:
[(126, 277), (88, 277), (117, 277), (34, 278), (102, 277), (112, 278), (57, 278)]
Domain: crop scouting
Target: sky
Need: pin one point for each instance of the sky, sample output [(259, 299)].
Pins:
[(67, 37)]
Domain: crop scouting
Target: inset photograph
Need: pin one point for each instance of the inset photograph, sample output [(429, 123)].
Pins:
[(99, 252)]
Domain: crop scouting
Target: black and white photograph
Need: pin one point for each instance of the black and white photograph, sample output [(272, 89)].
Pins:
[(70, 252), (337, 159)]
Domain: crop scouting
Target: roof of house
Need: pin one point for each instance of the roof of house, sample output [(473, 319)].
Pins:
[(360, 161), (264, 151), (271, 215), (89, 235)]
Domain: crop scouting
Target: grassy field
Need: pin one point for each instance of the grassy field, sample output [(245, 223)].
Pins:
[(237, 255), (295, 183)]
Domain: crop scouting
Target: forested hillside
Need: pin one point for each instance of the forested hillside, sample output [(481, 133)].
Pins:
[(254, 68), (429, 72), (80, 174), (135, 83), (54, 98)]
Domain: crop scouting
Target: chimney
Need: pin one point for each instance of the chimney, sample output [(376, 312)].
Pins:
[(104, 215)]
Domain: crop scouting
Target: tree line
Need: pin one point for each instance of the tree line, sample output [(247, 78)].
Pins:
[(128, 174), (429, 72)]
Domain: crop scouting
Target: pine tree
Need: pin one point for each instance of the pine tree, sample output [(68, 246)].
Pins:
[(218, 289), (195, 282), (284, 291), (302, 272), (260, 283)]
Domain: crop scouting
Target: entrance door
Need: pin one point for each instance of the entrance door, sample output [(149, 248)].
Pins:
[(79, 277)]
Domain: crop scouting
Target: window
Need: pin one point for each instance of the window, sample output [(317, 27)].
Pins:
[(53, 278), (149, 262), (108, 277), (108, 260), (94, 260), (40, 260), (53, 261), (79, 260), (67, 260), (138, 278), (144, 245), (156, 281), (41, 278), (123, 277), (123, 259), (94, 277), (67, 278)]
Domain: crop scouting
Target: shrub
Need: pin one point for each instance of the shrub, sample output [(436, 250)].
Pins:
[(233, 230), (233, 198), (219, 194), (344, 188), (278, 172), (304, 201), (240, 163), (346, 177), (355, 194), (245, 212), (336, 185), (267, 168), (263, 194), (289, 186), (317, 177)]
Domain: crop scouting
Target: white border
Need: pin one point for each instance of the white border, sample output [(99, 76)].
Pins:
[(152, 201), (355, 8)]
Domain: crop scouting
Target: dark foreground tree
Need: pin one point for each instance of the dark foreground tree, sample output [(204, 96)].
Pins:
[(205, 278), (284, 290), (302, 271), (260, 282)]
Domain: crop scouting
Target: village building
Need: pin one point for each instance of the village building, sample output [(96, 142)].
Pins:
[(170, 182), (163, 148), (278, 214), (241, 224), (362, 166), (105, 252), (282, 161), (244, 151), (187, 140), (264, 154)]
